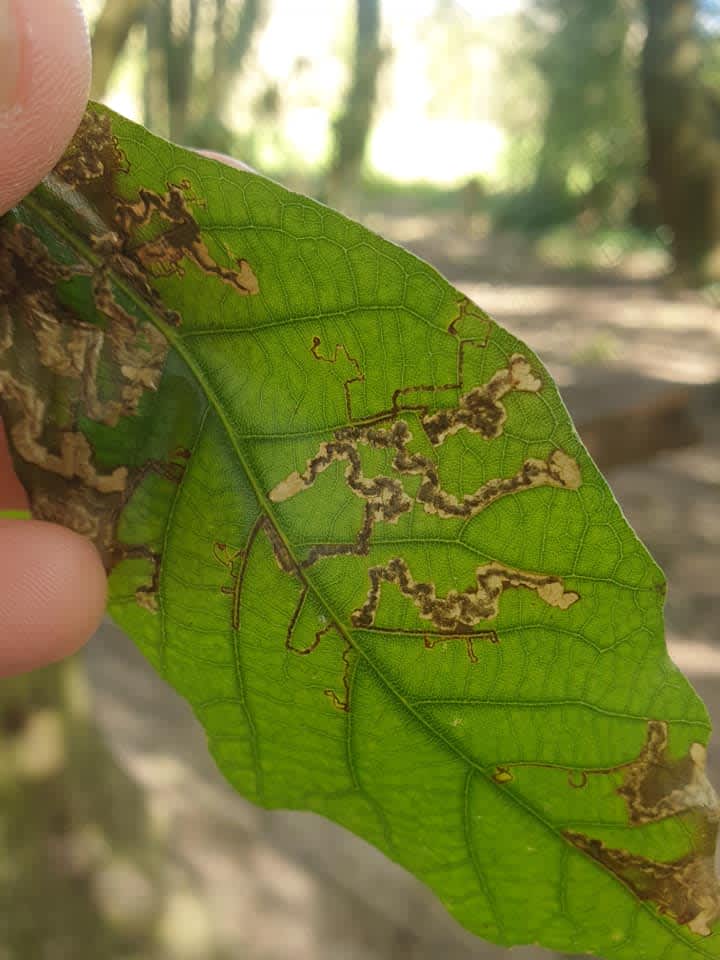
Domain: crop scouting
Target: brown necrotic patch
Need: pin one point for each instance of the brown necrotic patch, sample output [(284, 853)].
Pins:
[(181, 238), (94, 158), (53, 340), (386, 499), (98, 364), (480, 410), (685, 889), (61, 369), (459, 611), (74, 513), (72, 457), (65, 344), (119, 225), (656, 786)]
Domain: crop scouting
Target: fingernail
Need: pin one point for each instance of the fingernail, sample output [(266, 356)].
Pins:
[(9, 54)]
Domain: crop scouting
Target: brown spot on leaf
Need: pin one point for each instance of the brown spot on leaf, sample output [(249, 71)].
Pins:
[(181, 239), (385, 497), (655, 786), (459, 611), (480, 410), (93, 156), (74, 456), (686, 889)]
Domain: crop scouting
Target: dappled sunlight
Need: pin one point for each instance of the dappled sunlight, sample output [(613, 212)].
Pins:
[(408, 148)]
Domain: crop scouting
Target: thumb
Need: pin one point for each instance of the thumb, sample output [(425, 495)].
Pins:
[(52, 594), (52, 585), (44, 81)]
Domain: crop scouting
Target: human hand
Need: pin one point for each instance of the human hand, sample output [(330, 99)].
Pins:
[(52, 584)]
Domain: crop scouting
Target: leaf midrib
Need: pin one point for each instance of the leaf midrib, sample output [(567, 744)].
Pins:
[(86, 252)]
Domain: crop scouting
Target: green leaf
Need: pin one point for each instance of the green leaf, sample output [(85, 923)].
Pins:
[(347, 516)]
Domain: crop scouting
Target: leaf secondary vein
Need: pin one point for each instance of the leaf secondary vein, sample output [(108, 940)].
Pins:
[(176, 342)]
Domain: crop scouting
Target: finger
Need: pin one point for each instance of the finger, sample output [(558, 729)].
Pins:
[(52, 593), (44, 82)]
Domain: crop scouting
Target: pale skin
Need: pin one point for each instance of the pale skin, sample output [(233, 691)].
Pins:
[(52, 583)]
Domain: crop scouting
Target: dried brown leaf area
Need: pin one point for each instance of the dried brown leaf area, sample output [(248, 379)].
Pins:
[(60, 364), (656, 787), (459, 611)]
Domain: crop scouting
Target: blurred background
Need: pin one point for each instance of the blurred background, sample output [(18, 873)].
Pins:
[(559, 161)]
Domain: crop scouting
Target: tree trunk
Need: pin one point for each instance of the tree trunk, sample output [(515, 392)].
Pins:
[(180, 60), (111, 31), (233, 32), (352, 127), (230, 51), (683, 150), (581, 56), (158, 26), (82, 866)]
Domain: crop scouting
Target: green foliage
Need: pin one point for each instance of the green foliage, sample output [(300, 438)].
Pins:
[(590, 150), (347, 516)]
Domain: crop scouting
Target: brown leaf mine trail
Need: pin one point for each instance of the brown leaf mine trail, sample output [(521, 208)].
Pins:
[(99, 370), (481, 412)]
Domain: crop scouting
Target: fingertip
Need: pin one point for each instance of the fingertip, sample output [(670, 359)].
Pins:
[(50, 93), (53, 591)]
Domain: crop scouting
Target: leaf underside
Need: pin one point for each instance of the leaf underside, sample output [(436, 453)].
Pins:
[(347, 516)]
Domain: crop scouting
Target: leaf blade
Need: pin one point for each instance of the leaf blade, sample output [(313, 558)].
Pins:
[(377, 702)]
